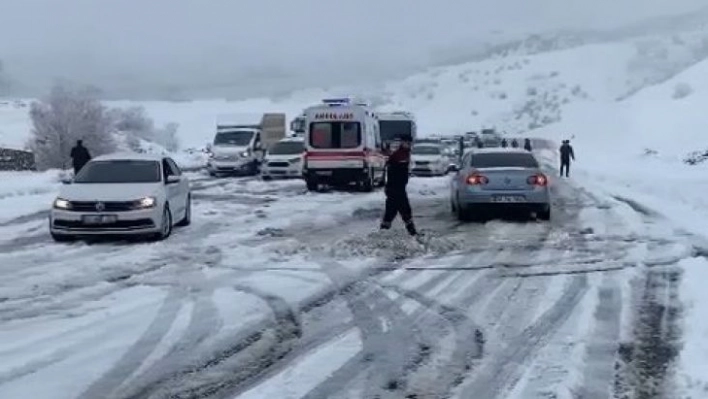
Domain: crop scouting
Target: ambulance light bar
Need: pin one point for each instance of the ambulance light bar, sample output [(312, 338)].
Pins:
[(336, 102)]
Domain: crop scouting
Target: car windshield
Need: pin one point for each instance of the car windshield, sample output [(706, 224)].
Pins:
[(503, 159), (287, 148), (120, 171), (335, 134), (425, 150), (237, 138), (390, 130)]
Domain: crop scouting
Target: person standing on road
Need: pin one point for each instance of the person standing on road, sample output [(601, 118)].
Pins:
[(566, 154), (397, 171), (514, 143), (79, 156), (504, 144), (527, 145)]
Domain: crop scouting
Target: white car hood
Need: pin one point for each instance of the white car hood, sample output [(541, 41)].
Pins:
[(429, 158), (228, 150), (108, 192)]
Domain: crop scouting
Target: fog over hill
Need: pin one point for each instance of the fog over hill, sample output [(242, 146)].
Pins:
[(178, 49)]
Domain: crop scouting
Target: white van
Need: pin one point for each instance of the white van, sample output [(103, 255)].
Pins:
[(394, 124), (343, 145), (284, 159), (241, 141)]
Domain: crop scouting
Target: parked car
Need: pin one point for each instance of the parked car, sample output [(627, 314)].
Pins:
[(499, 179), (122, 194), (284, 159), (429, 160)]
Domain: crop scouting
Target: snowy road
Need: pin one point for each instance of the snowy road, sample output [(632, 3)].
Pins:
[(274, 292)]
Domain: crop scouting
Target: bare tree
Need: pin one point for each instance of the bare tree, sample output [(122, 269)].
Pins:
[(66, 115), (167, 137), (137, 125), (134, 121)]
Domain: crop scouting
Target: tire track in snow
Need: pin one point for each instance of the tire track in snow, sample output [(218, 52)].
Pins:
[(133, 358), (216, 374), (388, 351), (644, 369), (468, 345), (500, 371), (601, 350), (30, 217)]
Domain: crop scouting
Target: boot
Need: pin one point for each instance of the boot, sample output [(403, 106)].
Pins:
[(411, 228), (385, 225)]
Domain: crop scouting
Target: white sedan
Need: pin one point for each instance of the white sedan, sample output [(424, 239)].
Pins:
[(123, 194)]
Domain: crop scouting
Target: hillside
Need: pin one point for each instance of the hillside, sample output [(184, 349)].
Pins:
[(523, 88)]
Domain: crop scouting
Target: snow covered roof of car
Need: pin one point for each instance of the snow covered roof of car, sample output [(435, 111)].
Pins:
[(498, 150), (129, 156)]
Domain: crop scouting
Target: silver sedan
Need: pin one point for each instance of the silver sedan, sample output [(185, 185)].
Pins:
[(499, 179)]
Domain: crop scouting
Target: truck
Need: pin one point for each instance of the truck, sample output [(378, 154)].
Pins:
[(394, 124), (297, 126), (241, 141)]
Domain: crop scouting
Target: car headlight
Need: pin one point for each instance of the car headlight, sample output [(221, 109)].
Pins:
[(294, 160), (244, 154), (145, 203), (61, 203)]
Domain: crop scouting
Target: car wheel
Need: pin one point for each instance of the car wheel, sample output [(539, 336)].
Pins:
[(545, 214), (382, 182), (463, 214), (367, 184), (165, 224), (187, 220), (312, 184)]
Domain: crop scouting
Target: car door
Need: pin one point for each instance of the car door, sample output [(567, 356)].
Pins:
[(182, 194), (172, 190)]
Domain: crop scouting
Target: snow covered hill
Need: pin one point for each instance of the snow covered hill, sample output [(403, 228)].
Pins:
[(519, 87)]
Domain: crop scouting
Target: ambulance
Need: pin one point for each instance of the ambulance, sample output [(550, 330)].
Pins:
[(343, 145)]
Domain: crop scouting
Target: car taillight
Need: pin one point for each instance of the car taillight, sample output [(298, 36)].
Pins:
[(476, 179), (538, 180)]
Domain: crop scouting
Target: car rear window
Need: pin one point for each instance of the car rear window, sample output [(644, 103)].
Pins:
[(503, 159)]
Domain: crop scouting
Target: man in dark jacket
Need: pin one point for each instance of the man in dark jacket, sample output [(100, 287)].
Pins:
[(397, 171), (566, 154), (504, 144), (79, 156), (527, 145), (514, 143)]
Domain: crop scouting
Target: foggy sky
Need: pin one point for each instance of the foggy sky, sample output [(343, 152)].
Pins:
[(270, 44)]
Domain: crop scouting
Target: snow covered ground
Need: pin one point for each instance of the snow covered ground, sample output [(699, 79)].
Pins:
[(277, 292)]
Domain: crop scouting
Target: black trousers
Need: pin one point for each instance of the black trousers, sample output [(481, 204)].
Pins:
[(397, 203), (565, 166)]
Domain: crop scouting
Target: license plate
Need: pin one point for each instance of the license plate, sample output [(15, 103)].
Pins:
[(99, 219), (324, 172), (508, 198)]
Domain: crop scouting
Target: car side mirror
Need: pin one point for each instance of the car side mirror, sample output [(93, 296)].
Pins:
[(173, 179)]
